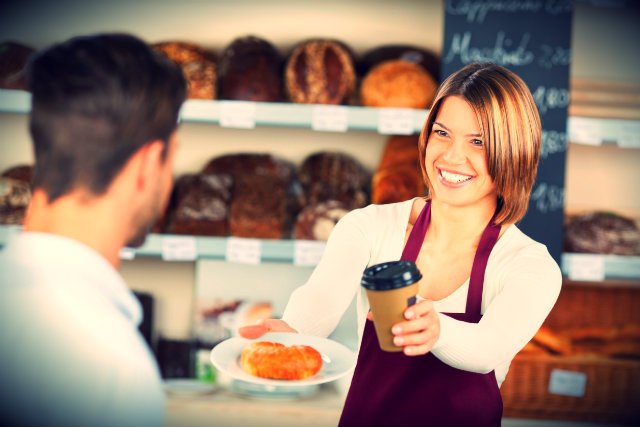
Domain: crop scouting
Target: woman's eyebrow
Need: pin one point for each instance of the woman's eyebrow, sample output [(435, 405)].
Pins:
[(477, 135)]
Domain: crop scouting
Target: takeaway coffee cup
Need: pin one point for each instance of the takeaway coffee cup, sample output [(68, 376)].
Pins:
[(391, 287)]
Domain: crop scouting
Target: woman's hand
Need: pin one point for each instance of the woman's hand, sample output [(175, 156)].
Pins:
[(263, 326), (420, 331)]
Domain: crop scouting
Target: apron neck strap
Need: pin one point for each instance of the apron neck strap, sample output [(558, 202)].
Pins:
[(485, 246)]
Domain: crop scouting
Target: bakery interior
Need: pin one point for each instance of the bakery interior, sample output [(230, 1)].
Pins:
[(198, 279)]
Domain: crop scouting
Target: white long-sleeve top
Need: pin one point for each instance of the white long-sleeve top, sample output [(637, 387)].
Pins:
[(70, 350), (522, 283)]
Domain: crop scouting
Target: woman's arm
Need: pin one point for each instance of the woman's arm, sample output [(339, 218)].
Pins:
[(532, 284), (316, 307)]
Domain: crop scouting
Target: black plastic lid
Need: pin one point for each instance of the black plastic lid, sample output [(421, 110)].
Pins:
[(390, 275)]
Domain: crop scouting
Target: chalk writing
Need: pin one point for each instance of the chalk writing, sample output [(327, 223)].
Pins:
[(553, 56), (552, 142), (504, 51), (477, 11), (547, 197), (551, 98)]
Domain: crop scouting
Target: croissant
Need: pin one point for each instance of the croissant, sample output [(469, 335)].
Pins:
[(276, 361)]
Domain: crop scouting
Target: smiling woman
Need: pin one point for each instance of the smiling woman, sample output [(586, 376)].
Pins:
[(486, 287), (494, 112)]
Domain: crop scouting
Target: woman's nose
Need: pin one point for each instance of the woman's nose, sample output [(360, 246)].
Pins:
[(455, 153)]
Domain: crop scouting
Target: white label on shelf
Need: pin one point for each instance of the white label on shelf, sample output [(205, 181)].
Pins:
[(127, 253), (586, 267), (238, 114), (243, 251), (396, 121), (629, 139), (179, 248), (584, 130), (307, 252), (330, 118), (567, 383)]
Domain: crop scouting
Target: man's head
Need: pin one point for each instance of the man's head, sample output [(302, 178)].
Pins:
[(97, 101)]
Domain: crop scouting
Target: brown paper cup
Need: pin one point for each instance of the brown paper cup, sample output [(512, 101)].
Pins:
[(388, 308)]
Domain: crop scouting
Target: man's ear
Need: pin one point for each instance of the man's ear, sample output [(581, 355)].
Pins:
[(150, 158)]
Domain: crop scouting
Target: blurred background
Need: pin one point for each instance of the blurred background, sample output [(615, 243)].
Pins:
[(199, 277)]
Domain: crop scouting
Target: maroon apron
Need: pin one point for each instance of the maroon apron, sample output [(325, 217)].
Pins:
[(391, 389)]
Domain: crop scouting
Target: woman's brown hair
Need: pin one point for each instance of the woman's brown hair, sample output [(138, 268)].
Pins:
[(510, 126)]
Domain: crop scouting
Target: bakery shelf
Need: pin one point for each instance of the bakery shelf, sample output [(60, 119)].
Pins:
[(582, 130), (590, 267), (597, 267)]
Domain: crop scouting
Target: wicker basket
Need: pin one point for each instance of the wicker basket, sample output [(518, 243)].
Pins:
[(611, 395), (612, 391)]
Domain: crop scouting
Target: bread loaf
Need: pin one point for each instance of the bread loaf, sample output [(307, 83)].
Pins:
[(15, 194), (259, 207), (265, 195), (200, 205), (408, 53), (602, 233), (329, 175), (198, 65), (276, 361), (250, 69), (398, 84), (398, 177), (13, 59), (316, 222), (320, 71)]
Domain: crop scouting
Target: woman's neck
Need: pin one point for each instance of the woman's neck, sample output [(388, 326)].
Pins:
[(461, 226)]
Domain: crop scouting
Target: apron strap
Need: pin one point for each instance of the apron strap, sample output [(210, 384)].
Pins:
[(416, 237), (476, 281)]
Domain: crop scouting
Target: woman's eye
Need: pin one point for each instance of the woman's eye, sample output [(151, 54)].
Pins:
[(477, 142), (440, 132)]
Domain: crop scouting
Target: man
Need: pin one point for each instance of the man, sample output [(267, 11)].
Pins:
[(103, 122)]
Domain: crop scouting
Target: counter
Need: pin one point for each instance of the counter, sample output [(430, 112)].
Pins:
[(223, 408)]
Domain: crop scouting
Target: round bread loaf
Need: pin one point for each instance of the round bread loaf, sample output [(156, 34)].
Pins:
[(329, 175), (602, 233), (200, 205), (250, 69), (13, 58), (15, 196), (276, 361), (316, 222), (320, 71), (409, 53), (398, 84), (396, 184), (198, 65)]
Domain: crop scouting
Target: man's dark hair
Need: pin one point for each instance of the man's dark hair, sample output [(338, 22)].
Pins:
[(95, 101)]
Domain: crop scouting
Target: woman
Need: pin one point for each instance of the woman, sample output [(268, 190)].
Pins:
[(487, 287)]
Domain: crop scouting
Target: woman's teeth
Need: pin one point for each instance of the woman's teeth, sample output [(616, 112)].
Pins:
[(454, 178)]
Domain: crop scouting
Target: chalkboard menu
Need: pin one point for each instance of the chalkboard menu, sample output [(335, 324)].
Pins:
[(533, 39)]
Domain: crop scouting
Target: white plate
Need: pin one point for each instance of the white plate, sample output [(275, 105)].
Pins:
[(337, 360)]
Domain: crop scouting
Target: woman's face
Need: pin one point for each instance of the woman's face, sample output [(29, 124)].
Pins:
[(455, 158)]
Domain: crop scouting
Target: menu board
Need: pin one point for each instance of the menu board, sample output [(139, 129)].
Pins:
[(533, 39)]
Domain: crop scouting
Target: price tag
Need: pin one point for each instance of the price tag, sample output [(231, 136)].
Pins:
[(307, 252), (238, 114), (585, 131), (330, 118), (396, 121), (567, 383), (176, 248), (586, 267), (127, 253), (629, 138), (243, 251)]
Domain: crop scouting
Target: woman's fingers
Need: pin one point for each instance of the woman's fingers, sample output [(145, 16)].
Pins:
[(419, 333), (252, 331), (264, 326)]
